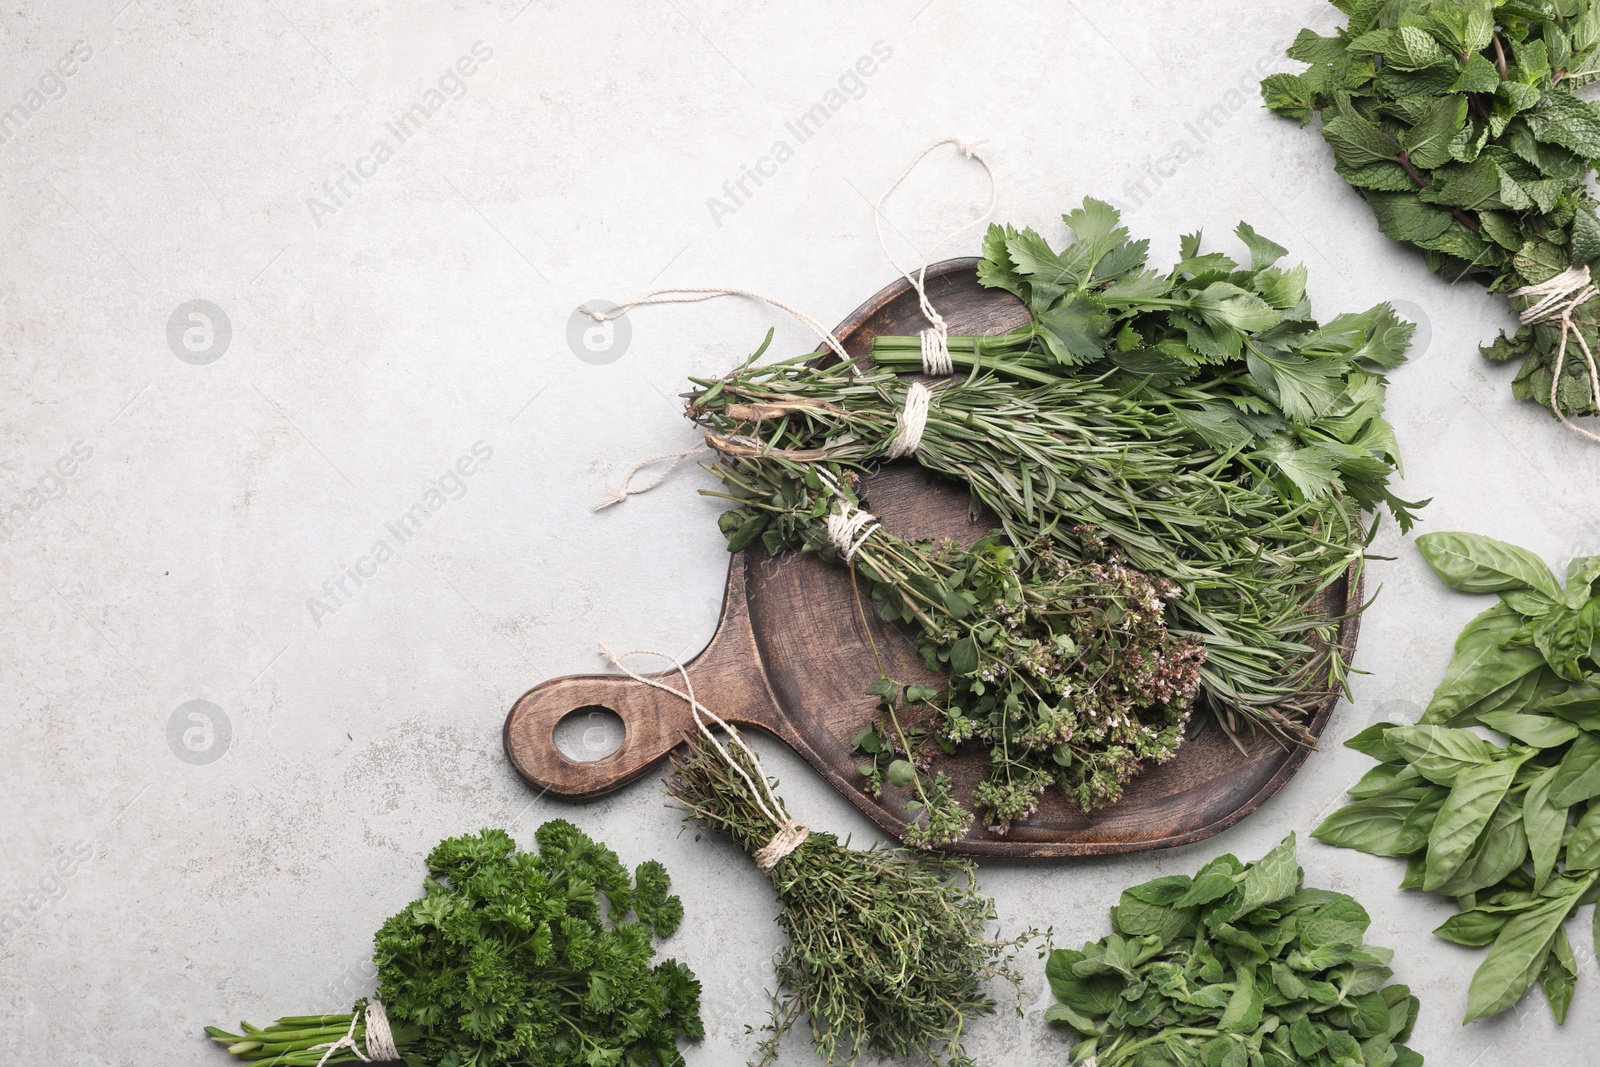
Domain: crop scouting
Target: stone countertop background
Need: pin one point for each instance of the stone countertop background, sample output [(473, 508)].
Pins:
[(186, 483)]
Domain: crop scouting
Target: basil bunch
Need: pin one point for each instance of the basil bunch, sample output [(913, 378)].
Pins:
[(1511, 831), (1236, 967), (1456, 121)]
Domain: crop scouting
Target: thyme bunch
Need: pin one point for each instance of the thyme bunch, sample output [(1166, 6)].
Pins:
[(887, 949)]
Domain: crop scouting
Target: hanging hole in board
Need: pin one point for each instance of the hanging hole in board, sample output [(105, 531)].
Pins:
[(589, 734)]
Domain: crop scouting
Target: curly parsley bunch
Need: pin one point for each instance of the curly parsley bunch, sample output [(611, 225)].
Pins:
[(514, 958), (1456, 121)]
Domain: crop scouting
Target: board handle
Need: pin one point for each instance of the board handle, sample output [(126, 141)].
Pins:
[(653, 723)]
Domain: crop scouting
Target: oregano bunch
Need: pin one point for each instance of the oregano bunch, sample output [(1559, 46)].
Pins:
[(1456, 121), (1065, 671)]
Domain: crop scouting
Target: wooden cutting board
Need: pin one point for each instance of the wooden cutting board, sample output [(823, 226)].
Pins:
[(791, 658)]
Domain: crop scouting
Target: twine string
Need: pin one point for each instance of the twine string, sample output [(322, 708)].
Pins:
[(788, 835), (627, 488), (695, 294), (910, 423), (935, 339), (379, 1041), (1555, 300), (850, 525)]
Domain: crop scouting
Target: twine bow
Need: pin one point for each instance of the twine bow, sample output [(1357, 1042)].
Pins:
[(1555, 300)]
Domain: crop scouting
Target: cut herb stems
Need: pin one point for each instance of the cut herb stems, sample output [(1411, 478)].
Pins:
[(1193, 434)]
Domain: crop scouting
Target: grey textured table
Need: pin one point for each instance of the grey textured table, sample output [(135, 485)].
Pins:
[(343, 501)]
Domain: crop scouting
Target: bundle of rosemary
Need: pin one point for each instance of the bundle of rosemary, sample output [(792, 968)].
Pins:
[(1181, 460), (888, 949), (1456, 120)]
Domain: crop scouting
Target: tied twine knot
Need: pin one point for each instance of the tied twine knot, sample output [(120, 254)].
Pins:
[(1555, 300), (936, 359), (379, 1038), (788, 835), (910, 423), (850, 525)]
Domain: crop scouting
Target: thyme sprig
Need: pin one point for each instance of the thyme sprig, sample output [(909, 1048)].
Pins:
[(888, 950)]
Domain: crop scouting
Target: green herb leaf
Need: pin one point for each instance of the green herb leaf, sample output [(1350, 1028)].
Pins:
[(1473, 563)]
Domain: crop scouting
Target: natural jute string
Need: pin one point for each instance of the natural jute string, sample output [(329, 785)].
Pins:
[(789, 834), (627, 488), (913, 418), (1556, 299), (379, 1039), (695, 294), (935, 347)]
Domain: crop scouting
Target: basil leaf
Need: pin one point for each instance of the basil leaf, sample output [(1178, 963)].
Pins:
[(1440, 753), (1466, 812), (1474, 928), (1563, 636), (1545, 823), (1583, 848), (1482, 664), (1559, 975), (1373, 741), (1581, 574), (1501, 849), (1473, 563), (1377, 825), (1518, 954), (1386, 779), (1540, 731), (1578, 704), (1578, 775)]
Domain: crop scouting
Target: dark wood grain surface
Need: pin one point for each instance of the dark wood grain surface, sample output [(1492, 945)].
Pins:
[(791, 657)]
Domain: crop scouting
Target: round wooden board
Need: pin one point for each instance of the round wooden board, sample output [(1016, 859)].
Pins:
[(791, 656)]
